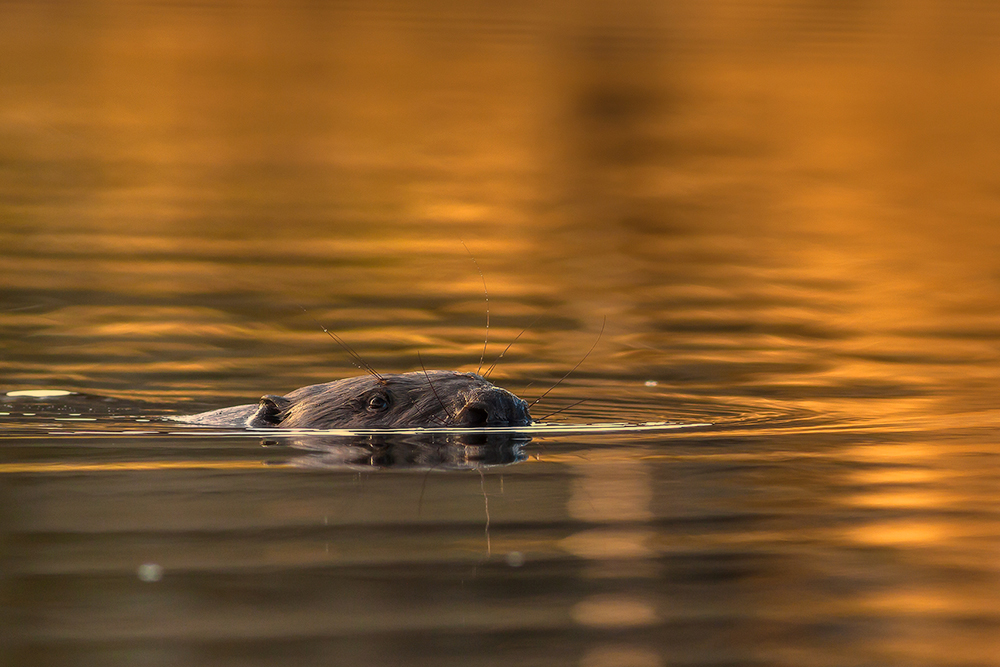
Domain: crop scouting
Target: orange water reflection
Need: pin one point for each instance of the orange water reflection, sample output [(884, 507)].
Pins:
[(785, 210)]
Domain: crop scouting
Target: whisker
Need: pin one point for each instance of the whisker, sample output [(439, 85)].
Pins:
[(497, 360), (433, 418), (426, 375), (357, 359), (571, 405), (604, 324), (486, 342)]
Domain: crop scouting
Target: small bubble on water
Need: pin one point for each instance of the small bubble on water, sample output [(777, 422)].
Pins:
[(651, 383), (150, 572), (515, 559)]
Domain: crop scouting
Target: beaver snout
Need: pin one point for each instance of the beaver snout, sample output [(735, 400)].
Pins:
[(475, 414), (494, 408)]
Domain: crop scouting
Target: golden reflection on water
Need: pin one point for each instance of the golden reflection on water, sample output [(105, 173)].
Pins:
[(906, 533), (787, 212), (610, 544), (610, 492), (614, 611), (621, 655)]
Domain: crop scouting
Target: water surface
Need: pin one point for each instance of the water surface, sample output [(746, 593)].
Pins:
[(786, 213)]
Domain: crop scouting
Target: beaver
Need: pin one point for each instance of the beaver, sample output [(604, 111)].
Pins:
[(419, 399)]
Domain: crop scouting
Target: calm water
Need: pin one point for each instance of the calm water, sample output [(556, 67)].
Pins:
[(787, 212)]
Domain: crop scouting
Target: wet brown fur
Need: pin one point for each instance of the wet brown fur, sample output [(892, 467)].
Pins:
[(405, 400)]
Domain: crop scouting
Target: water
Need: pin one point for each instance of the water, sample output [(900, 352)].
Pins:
[(786, 213)]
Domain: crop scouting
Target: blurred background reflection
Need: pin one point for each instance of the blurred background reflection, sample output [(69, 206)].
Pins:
[(785, 210)]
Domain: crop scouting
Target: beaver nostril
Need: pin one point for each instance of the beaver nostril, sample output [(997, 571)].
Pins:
[(474, 416)]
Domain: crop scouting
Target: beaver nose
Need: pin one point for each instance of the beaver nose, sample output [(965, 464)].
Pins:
[(495, 407), (476, 413)]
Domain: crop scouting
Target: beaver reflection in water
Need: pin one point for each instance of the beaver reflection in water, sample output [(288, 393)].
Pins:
[(406, 400)]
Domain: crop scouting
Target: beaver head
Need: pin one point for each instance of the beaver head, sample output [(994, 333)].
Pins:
[(406, 400)]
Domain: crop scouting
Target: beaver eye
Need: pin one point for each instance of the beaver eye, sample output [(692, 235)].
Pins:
[(377, 403)]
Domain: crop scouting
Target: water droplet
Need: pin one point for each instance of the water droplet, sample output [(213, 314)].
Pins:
[(150, 572)]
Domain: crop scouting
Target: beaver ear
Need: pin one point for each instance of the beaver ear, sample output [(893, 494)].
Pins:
[(270, 411)]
